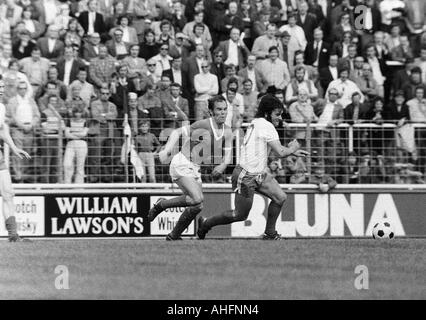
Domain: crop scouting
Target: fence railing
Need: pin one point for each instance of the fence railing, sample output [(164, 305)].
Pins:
[(361, 153)]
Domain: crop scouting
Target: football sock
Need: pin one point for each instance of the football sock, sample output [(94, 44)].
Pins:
[(174, 202), (11, 226), (225, 217), (184, 221), (274, 211)]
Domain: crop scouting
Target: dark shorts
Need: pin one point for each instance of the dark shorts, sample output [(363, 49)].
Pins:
[(245, 183)]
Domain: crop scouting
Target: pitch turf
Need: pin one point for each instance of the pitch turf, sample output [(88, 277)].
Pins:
[(214, 269)]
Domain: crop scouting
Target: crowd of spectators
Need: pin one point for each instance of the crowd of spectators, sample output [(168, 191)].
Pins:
[(83, 70)]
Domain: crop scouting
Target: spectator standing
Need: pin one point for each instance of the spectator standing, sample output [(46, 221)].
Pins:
[(146, 145), (76, 149), (151, 103), (24, 117), (51, 142), (101, 136), (205, 85)]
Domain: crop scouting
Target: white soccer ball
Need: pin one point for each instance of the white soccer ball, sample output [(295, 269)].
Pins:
[(383, 230)]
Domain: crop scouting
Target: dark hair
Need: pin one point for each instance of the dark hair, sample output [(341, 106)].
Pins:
[(35, 48), (420, 87), (376, 99), (267, 104), (165, 22), (342, 69), (215, 99), (247, 80), (122, 17), (176, 85), (149, 31), (273, 48), (416, 70), (198, 25), (52, 83), (232, 80)]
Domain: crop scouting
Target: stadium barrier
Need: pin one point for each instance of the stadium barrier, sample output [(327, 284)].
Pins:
[(362, 153), (120, 210)]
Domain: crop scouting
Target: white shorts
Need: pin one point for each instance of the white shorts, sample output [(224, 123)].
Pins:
[(182, 167)]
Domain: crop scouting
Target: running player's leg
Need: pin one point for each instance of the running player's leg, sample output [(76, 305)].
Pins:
[(7, 194), (193, 191), (242, 209), (243, 202), (271, 189)]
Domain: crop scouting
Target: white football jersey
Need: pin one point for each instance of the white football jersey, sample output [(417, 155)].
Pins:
[(255, 149)]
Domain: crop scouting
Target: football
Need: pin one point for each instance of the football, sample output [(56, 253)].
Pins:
[(383, 230)]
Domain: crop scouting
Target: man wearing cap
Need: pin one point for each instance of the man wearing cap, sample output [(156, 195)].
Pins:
[(91, 47), (51, 47)]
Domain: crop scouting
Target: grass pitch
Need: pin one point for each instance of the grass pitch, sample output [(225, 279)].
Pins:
[(214, 269)]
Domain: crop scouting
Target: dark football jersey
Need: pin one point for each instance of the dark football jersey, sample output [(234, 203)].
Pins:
[(204, 144)]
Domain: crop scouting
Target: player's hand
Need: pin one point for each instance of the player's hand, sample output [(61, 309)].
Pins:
[(163, 155), (21, 154), (294, 145), (301, 153)]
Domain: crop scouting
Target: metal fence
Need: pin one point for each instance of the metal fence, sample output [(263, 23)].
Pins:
[(362, 153)]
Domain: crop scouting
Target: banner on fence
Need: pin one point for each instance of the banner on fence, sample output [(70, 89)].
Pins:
[(305, 214)]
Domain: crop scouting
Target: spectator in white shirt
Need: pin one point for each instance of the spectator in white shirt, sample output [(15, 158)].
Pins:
[(23, 116), (206, 86), (298, 38), (345, 87)]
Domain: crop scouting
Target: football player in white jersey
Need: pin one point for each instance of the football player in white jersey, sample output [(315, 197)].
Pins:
[(250, 175), (207, 141), (6, 189)]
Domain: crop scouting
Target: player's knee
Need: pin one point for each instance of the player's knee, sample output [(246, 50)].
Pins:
[(196, 200), (280, 199)]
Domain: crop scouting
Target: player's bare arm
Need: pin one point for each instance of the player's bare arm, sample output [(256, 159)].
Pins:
[(292, 149), (171, 143), (5, 136)]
